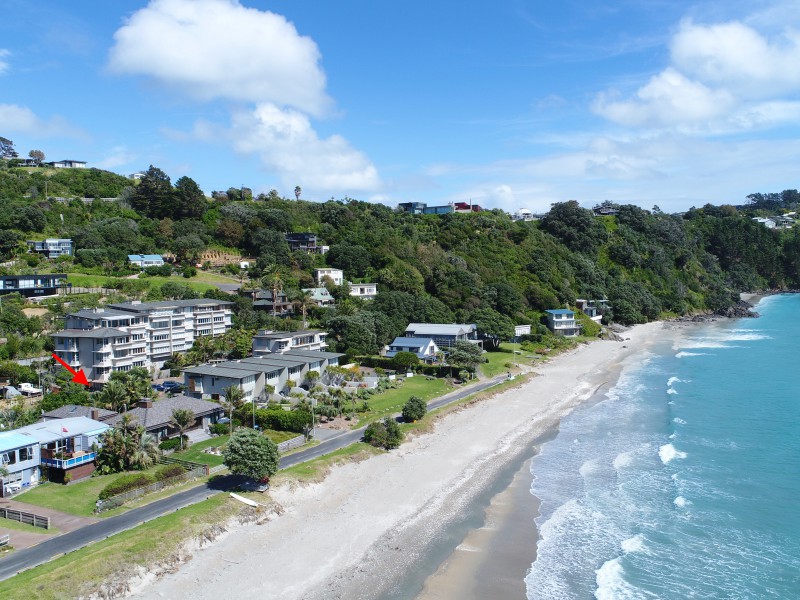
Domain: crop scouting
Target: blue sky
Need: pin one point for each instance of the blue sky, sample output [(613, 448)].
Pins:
[(509, 103)]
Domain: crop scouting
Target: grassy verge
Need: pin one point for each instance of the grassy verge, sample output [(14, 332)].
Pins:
[(316, 470), (497, 361), (105, 567), (195, 452), (392, 400)]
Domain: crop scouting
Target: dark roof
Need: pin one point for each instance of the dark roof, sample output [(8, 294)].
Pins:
[(279, 335), (148, 306), (100, 332), (91, 313), (73, 410), (160, 413)]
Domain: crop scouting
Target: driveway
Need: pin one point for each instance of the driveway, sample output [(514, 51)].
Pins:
[(59, 521)]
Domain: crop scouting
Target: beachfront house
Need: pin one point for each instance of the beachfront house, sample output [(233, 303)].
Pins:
[(561, 321), (444, 335), (252, 375), (51, 247), (424, 348), (31, 286), (156, 416), (64, 447), (365, 291)]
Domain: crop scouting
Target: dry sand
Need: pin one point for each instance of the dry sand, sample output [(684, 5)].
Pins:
[(359, 533)]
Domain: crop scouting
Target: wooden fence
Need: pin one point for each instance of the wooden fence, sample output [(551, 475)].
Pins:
[(25, 517), (4, 540)]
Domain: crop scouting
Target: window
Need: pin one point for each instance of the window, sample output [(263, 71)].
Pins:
[(26, 453), (8, 458)]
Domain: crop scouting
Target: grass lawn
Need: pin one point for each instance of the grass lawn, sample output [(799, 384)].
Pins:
[(200, 284), (194, 453), (76, 499), (82, 573), (497, 360), (392, 400)]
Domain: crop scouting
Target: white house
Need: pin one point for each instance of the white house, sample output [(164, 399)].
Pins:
[(367, 291), (146, 260), (444, 334), (424, 348), (68, 164), (267, 342), (336, 275), (561, 321)]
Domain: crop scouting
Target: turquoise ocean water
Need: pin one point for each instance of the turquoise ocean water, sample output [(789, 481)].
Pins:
[(684, 482)]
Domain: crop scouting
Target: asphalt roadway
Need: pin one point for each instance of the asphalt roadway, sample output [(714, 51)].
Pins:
[(54, 547)]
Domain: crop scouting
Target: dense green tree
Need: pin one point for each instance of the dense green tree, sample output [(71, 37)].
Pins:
[(493, 327), (189, 200), (402, 361), (384, 434), (153, 195), (414, 409), (251, 454)]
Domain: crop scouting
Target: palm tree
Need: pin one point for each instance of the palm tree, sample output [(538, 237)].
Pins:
[(114, 395), (272, 280), (145, 452), (234, 396), (182, 419), (297, 192), (303, 300)]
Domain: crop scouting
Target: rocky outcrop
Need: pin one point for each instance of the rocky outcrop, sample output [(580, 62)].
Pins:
[(738, 311)]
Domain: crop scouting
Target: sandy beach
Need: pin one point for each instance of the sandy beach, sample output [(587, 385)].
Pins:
[(387, 527)]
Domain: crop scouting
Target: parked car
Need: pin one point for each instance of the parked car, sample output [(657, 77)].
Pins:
[(172, 385), (157, 387)]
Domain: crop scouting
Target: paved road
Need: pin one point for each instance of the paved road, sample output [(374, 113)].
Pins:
[(74, 540)]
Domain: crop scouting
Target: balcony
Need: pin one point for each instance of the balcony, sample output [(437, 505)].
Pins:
[(66, 460)]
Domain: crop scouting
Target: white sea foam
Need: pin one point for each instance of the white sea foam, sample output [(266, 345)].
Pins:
[(673, 380), (685, 354), (634, 544), (588, 467), (623, 460), (707, 343), (671, 391), (680, 502), (611, 583), (667, 453), (679, 421)]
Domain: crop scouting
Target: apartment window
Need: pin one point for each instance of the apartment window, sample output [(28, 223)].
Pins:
[(161, 336), (26, 453), (138, 363), (218, 319), (124, 368), (177, 323), (8, 458), (160, 324), (203, 321), (137, 336)]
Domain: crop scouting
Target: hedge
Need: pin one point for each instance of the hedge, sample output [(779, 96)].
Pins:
[(126, 483), (169, 472), (282, 420), (173, 443)]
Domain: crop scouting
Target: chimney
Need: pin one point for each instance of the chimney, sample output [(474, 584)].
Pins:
[(145, 403), (95, 414)]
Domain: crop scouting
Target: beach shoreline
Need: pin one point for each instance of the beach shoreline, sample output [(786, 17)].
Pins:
[(362, 532)]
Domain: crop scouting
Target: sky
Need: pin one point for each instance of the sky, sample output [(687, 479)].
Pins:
[(509, 104)]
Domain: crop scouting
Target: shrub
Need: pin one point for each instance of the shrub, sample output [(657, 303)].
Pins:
[(189, 271), (169, 472), (414, 409), (384, 434), (219, 428), (283, 420), (173, 443), (125, 483)]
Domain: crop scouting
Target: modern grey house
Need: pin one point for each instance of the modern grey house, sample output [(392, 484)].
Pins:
[(267, 342), (31, 286), (51, 247), (444, 334), (252, 375)]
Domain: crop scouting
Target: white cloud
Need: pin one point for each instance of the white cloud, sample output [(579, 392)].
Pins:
[(723, 78), (3, 62), (669, 98), (219, 49), (116, 157), (287, 144), (737, 57), (21, 119)]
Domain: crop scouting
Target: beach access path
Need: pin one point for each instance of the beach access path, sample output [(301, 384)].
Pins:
[(93, 530), (357, 533)]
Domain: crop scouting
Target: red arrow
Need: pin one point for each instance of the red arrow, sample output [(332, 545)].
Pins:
[(79, 375)]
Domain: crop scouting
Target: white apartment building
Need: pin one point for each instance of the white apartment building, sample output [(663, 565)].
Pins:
[(137, 334)]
